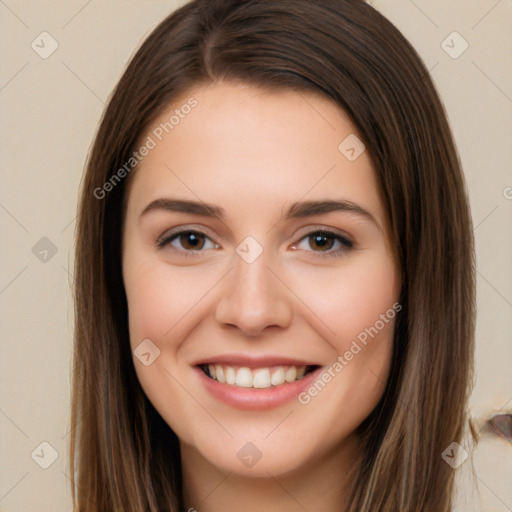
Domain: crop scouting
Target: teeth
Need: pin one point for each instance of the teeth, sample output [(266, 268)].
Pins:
[(278, 376), (219, 374), (290, 374), (244, 378), (259, 378), (230, 374)]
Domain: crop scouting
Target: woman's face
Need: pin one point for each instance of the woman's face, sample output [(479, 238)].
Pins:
[(262, 332)]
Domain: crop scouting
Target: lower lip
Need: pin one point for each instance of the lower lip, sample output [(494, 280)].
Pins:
[(256, 399)]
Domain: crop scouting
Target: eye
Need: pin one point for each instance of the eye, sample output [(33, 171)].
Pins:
[(189, 241), (186, 240), (325, 242)]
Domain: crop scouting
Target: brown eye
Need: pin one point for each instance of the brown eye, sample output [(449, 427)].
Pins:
[(321, 241), (191, 240), (501, 426), (325, 243), (186, 241)]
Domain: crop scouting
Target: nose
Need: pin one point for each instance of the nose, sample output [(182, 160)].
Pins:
[(253, 298)]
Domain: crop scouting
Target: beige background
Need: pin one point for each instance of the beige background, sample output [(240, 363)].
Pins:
[(50, 109)]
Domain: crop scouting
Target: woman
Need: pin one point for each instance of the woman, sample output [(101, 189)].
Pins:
[(274, 271)]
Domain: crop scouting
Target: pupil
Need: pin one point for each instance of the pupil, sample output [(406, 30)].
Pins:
[(192, 241), (322, 241)]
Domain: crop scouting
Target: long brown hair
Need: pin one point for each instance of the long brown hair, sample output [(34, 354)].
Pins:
[(123, 456)]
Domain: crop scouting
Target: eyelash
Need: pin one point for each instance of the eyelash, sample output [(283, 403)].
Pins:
[(347, 244)]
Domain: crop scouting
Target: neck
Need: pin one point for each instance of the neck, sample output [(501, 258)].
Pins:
[(323, 484)]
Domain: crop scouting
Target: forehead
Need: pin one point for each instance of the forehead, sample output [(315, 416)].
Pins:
[(245, 147)]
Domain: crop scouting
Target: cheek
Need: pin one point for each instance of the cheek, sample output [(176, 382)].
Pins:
[(158, 299), (352, 300), (367, 313), (157, 303), (358, 304)]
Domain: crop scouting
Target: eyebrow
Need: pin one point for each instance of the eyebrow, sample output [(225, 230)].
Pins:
[(298, 209)]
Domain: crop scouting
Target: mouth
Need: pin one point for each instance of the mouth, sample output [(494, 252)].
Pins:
[(263, 377), (255, 382)]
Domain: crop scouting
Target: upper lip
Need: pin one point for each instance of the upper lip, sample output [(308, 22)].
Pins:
[(253, 361)]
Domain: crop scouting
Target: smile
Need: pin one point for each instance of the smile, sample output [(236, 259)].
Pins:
[(251, 382), (256, 378)]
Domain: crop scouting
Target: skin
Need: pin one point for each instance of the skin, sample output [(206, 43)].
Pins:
[(255, 152)]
